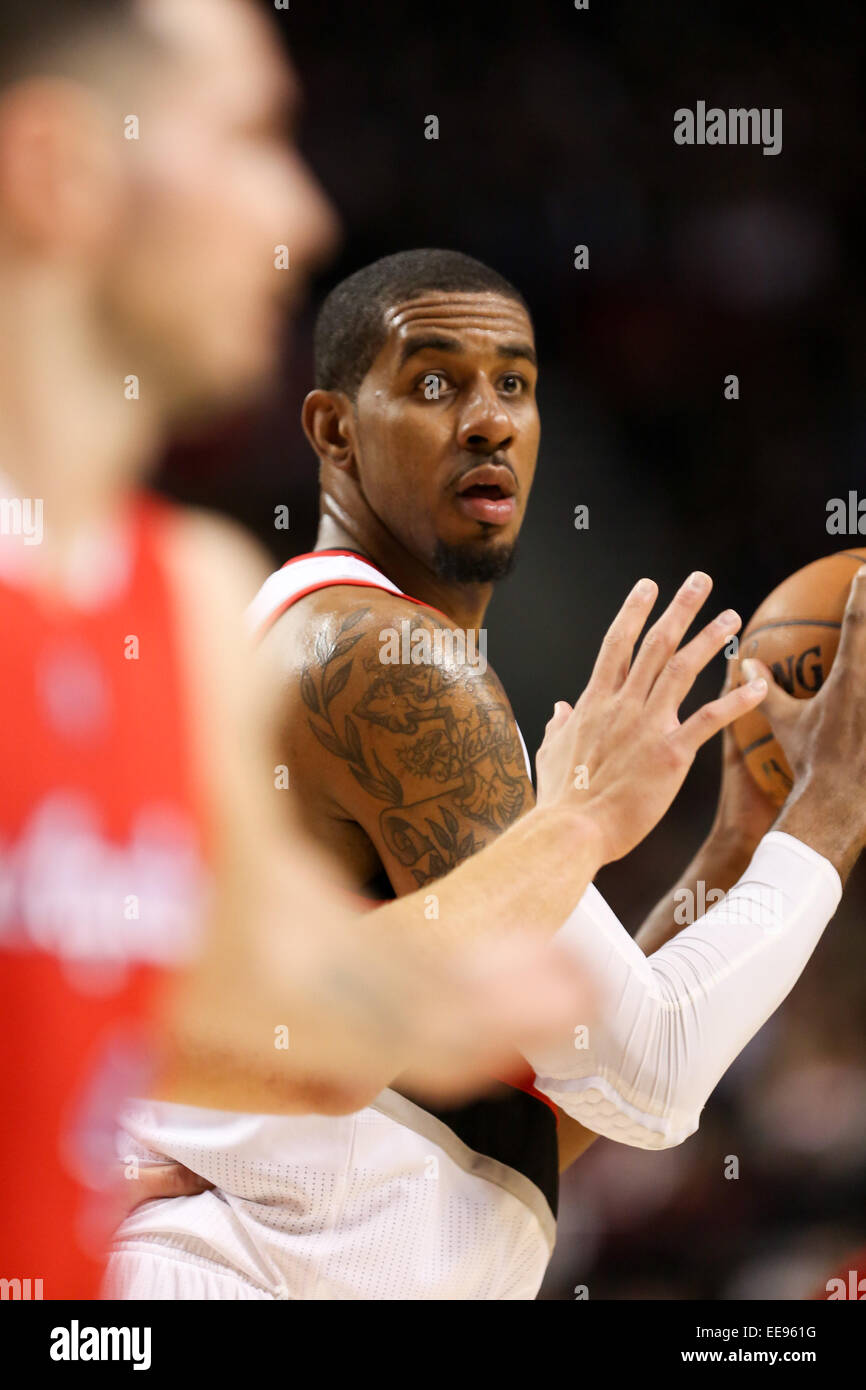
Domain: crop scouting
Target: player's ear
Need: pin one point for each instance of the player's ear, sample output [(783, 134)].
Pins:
[(328, 421), (59, 168)]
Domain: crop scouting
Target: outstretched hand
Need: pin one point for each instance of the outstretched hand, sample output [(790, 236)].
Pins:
[(621, 754)]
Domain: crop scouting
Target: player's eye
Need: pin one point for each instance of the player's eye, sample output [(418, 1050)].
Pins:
[(432, 385), (512, 383)]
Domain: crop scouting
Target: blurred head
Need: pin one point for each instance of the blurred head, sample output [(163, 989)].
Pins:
[(424, 409), (148, 174)]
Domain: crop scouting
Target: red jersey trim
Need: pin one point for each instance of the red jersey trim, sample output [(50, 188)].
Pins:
[(311, 555), (337, 584)]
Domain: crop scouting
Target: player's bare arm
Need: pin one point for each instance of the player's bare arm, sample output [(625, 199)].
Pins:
[(424, 757)]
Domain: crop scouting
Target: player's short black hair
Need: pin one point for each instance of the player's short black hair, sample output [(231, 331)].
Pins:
[(350, 328), (36, 35)]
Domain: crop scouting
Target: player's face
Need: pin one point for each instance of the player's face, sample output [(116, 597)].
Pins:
[(215, 186), (448, 426)]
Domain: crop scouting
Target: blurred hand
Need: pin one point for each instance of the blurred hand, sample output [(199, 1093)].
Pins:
[(159, 1180), (361, 1000), (621, 754)]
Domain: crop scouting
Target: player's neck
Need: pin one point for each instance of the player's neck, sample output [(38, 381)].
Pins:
[(70, 439), (464, 604)]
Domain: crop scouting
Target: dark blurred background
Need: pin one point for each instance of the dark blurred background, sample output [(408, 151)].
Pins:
[(556, 128)]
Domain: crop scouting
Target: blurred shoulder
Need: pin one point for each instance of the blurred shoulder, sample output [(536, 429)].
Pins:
[(205, 549)]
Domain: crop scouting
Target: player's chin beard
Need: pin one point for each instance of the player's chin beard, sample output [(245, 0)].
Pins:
[(471, 564)]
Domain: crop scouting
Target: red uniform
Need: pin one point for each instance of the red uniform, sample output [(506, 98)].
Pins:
[(101, 854)]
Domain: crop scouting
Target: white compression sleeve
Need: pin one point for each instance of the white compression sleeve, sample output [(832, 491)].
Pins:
[(669, 1025)]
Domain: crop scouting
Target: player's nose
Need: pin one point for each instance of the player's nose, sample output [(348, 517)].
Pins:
[(313, 217), (485, 422)]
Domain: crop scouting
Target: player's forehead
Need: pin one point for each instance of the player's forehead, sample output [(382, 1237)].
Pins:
[(478, 321), (228, 51)]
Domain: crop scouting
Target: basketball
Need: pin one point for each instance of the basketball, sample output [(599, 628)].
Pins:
[(795, 632)]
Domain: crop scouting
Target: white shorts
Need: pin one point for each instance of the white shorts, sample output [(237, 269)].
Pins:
[(387, 1203), (159, 1274)]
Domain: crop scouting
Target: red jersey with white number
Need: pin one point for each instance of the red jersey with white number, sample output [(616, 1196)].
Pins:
[(100, 885)]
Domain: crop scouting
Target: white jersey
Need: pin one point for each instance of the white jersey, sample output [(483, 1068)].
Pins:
[(397, 1201)]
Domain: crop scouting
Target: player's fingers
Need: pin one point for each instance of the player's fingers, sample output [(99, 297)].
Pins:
[(165, 1180), (716, 715), (683, 668), (731, 675), (851, 655), (665, 636), (779, 706), (614, 656), (561, 711)]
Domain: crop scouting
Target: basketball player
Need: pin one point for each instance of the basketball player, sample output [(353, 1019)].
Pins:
[(407, 760), (137, 290)]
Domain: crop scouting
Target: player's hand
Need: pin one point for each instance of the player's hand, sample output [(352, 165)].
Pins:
[(824, 740), (744, 814), (621, 754), (155, 1180)]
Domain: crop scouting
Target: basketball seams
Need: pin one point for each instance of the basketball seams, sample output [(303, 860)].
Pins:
[(789, 622)]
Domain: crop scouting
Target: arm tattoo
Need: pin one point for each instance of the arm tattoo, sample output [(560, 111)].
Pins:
[(454, 743)]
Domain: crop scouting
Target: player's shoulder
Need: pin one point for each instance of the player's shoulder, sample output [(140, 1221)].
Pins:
[(329, 608), (215, 557), (378, 650), (400, 629)]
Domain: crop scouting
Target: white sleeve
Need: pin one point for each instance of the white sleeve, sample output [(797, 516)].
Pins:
[(669, 1025)]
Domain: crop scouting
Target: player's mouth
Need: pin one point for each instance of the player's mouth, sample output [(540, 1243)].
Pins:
[(487, 494)]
